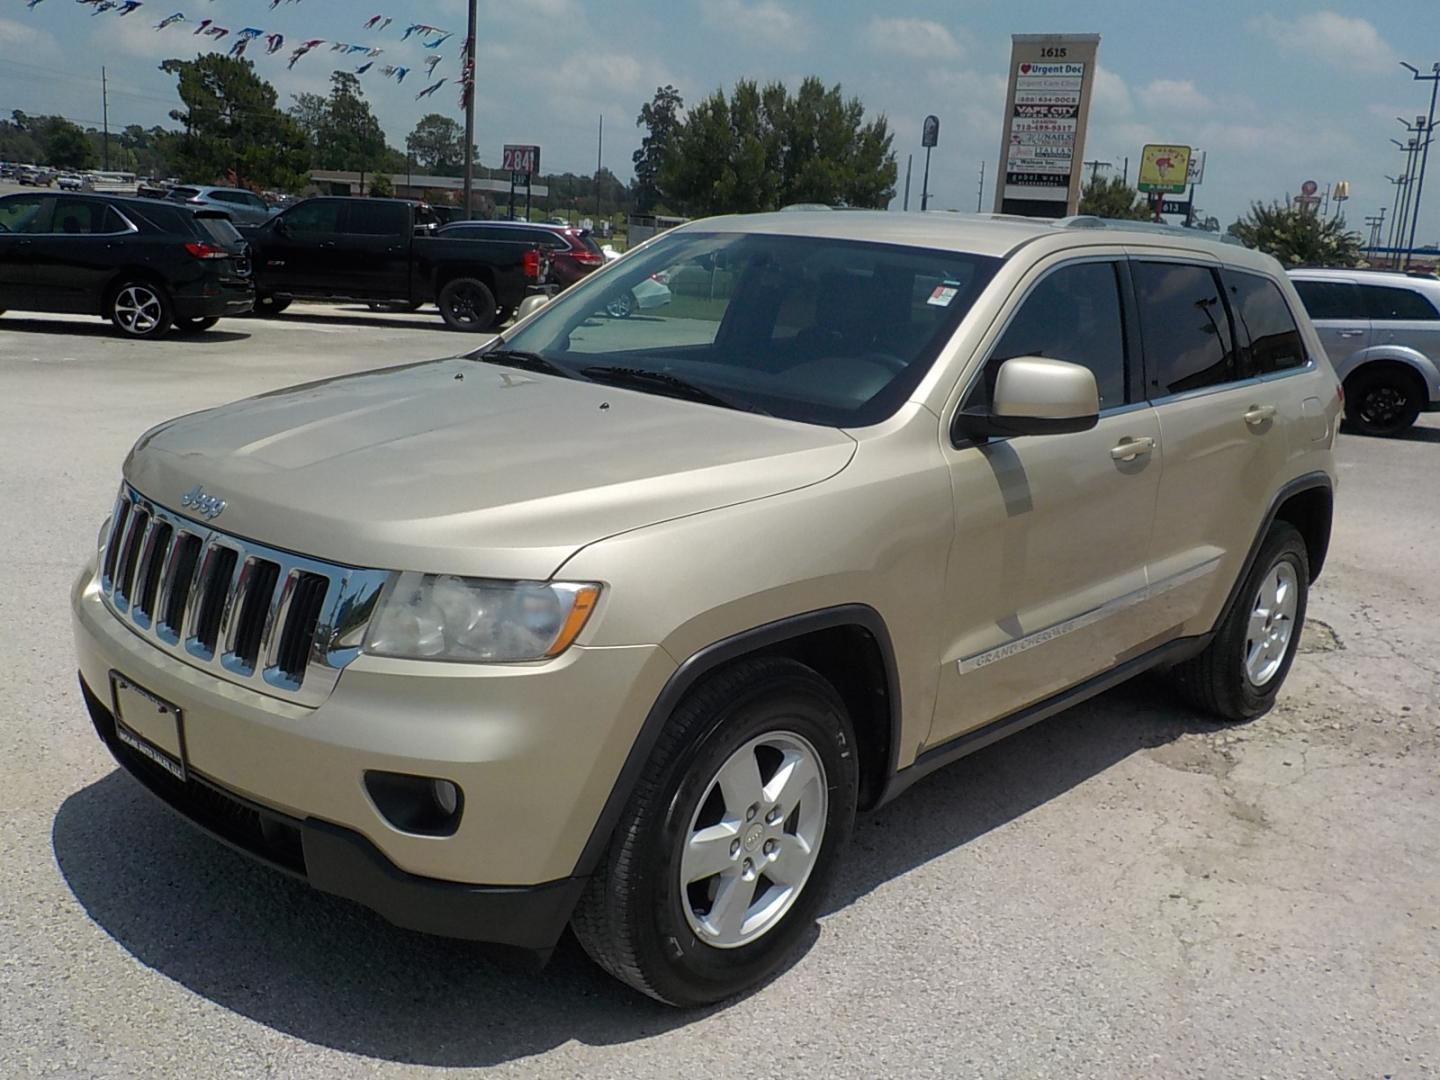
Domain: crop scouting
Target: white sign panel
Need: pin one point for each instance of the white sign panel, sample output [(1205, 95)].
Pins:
[(1045, 111)]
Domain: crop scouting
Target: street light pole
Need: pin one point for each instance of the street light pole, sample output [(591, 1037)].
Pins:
[(1434, 79), (468, 80)]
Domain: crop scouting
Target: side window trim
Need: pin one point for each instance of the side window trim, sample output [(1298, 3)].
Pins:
[(1137, 373), (1126, 317)]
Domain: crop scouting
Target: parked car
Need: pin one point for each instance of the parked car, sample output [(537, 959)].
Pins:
[(379, 251), (145, 266), (244, 207), (1382, 333), (73, 182), (646, 295), (573, 254), (616, 623)]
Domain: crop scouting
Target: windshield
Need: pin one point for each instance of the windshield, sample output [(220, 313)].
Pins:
[(823, 331)]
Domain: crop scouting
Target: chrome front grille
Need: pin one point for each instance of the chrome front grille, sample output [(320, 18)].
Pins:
[(277, 622)]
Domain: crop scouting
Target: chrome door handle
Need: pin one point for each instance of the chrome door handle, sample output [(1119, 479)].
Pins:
[(1129, 449), (1258, 414), (1351, 333)]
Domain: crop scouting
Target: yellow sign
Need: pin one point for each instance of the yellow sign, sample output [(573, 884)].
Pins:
[(1163, 168)]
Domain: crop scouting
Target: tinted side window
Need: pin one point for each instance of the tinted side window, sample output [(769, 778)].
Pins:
[(1270, 340), (322, 216), (1331, 299), (23, 215), (1188, 344), (1072, 314), (1391, 303), (378, 218), (79, 217)]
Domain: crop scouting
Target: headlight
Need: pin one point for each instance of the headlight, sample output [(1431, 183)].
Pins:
[(442, 617)]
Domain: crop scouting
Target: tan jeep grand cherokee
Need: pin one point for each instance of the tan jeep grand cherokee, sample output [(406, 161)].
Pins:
[(617, 622)]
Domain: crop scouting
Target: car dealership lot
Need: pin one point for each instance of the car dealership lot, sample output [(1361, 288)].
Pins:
[(1123, 890)]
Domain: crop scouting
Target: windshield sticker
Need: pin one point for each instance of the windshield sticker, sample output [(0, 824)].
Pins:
[(944, 293)]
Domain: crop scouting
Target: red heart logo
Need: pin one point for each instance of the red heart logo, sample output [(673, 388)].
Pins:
[(1024, 69)]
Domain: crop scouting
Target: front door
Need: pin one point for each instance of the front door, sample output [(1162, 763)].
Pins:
[(76, 256), (1341, 319), (22, 219), (374, 249), (297, 249), (1047, 576)]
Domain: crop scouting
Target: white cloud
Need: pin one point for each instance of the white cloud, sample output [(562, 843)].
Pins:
[(916, 39), (1328, 38), (764, 21), (17, 39), (1110, 95), (1179, 95)]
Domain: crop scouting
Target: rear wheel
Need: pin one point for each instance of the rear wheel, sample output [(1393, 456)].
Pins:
[(271, 305), (722, 857), (194, 326), (467, 304), (1383, 400), (622, 307), (1239, 674), (140, 309)]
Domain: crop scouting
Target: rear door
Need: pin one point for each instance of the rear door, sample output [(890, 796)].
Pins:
[(21, 218), (1338, 311), (373, 249), (1402, 317), (1225, 426), (74, 259)]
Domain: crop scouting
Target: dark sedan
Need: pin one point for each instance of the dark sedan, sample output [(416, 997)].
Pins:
[(144, 265)]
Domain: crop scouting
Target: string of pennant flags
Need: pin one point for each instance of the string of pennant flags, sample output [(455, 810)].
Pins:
[(429, 37)]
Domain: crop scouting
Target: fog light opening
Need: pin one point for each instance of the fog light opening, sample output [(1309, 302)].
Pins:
[(426, 805)]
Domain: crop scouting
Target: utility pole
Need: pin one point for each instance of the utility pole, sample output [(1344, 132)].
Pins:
[(1125, 174), (925, 183), (1096, 166), (105, 115), (980, 192), (599, 157), (467, 78), (1434, 79), (909, 164), (1399, 182), (1412, 157)]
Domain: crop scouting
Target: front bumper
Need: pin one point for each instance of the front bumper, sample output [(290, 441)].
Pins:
[(535, 750)]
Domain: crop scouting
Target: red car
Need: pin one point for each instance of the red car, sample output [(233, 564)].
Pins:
[(573, 254)]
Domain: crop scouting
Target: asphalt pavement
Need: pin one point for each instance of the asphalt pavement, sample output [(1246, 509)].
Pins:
[(1125, 890)]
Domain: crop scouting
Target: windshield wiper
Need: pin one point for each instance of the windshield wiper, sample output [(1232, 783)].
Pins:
[(663, 381), (528, 361)]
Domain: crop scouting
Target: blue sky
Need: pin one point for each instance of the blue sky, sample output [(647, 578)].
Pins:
[(1277, 93)]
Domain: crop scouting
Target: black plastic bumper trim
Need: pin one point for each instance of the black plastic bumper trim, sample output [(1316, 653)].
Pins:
[(339, 861)]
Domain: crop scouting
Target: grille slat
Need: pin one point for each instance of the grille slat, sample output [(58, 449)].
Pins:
[(280, 623)]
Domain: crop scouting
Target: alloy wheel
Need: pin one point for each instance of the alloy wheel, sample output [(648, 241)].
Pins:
[(1272, 623), (138, 309), (753, 839)]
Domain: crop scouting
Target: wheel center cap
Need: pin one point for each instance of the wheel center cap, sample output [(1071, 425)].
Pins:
[(752, 836)]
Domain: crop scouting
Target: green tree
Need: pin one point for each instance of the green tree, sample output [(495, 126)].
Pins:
[(66, 147), (660, 117), (380, 186), (309, 112), (232, 127), (1112, 197), (760, 149), (1297, 236), (349, 137), (438, 145)]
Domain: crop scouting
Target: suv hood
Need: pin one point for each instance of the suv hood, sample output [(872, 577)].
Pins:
[(455, 466)]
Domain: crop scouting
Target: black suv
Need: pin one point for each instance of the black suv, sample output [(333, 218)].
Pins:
[(143, 265)]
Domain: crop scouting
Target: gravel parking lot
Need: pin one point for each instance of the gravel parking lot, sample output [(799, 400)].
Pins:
[(1125, 890)]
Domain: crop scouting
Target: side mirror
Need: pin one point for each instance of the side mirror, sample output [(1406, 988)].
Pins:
[(530, 305), (1035, 396), (278, 224)]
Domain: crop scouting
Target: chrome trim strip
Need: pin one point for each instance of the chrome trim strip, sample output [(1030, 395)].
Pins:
[(1087, 618), (350, 598)]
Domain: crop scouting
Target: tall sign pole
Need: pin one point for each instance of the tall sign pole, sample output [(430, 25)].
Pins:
[(1046, 109), (1429, 133), (469, 91), (909, 163)]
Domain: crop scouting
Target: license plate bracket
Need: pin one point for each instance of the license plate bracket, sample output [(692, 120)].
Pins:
[(149, 725)]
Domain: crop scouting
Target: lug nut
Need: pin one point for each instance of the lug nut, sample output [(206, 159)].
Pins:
[(734, 847), (771, 847), (773, 816), (750, 813)]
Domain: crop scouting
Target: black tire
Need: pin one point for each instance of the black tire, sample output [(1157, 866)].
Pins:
[(194, 326), (467, 304), (1217, 680), (140, 309), (504, 315), (1383, 400), (631, 918), (271, 305)]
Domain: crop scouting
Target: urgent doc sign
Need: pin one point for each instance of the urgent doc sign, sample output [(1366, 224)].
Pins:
[(1046, 107)]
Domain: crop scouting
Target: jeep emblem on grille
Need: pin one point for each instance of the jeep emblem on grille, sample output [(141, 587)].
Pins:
[(207, 506)]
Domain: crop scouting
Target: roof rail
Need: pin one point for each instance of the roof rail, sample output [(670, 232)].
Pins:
[(1091, 221)]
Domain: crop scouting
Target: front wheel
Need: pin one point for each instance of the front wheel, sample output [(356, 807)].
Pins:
[(622, 306), (194, 326), (1240, 672), (140, 309), (467, 304), (1383, 401), (722, 857)]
